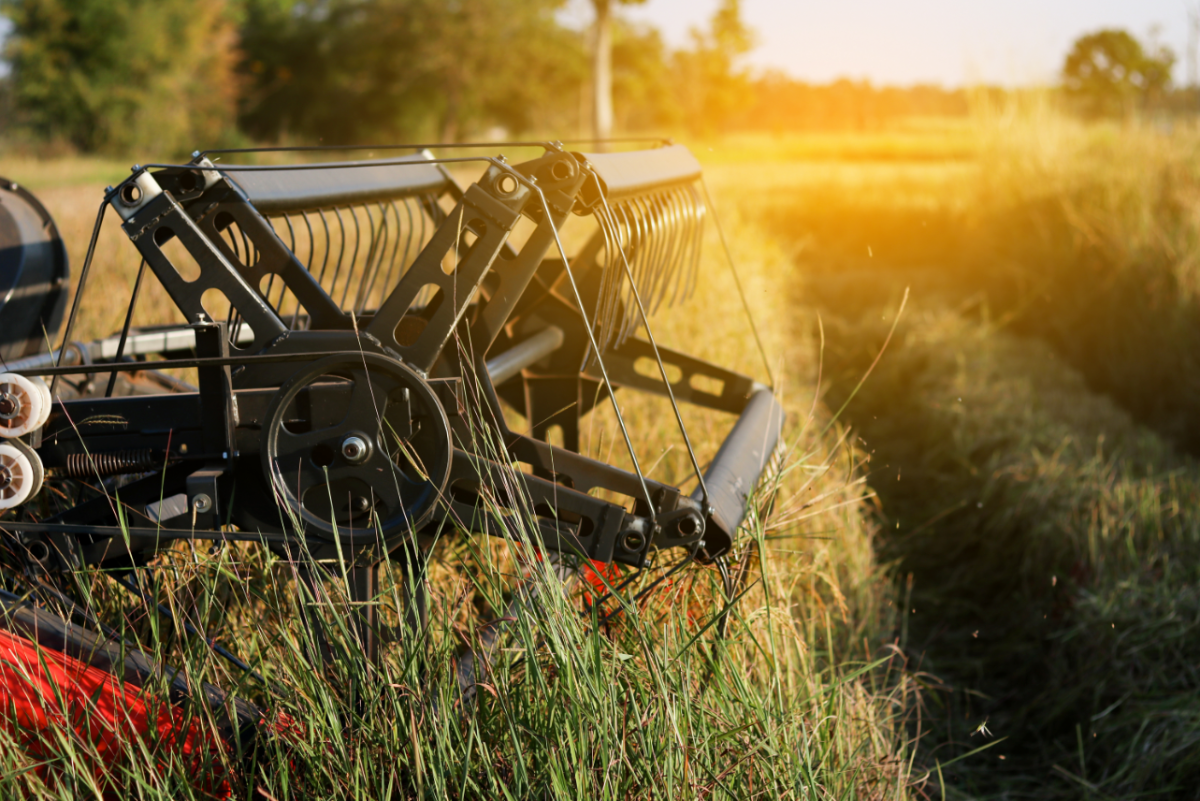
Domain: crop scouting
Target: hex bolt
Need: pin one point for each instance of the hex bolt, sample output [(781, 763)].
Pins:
[(10, 406), (633, 541), (202, 503), (38, 550), (360, 504), (354, 449)]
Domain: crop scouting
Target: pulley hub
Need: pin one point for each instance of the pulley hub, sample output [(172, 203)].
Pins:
[(357, 447)]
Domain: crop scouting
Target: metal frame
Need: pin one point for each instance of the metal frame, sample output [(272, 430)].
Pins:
[(500, 323)]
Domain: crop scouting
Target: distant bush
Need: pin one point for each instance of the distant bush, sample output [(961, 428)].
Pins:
[(148, 75)]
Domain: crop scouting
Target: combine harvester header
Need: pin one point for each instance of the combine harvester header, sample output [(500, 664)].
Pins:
[(357, 331)]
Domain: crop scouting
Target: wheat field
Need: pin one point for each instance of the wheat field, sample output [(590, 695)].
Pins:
[(978, 581), (808, 695)]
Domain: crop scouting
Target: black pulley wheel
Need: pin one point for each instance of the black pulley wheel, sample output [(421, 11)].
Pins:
[(357, 446)]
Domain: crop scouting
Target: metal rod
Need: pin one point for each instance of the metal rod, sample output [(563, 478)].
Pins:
[(562, 251), (317, 148), (687, 441), (182, 338), (83, 276), (137, 286), (517, 358), (742, 458), (737, 280)]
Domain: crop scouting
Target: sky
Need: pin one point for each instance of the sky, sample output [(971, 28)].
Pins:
[(950, 42)]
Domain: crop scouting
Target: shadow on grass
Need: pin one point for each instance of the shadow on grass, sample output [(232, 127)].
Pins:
[(1052, 544)]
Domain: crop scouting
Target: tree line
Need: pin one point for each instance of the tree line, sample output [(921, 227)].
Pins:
[(165, 76), (100, 76)]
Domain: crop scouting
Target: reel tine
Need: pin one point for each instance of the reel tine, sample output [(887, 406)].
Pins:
[(701, 214), (312, 253), (391, 237), (617, 277), (679, 224), (362, 271), (401, 266), (609, 284), (337, 267), (385, 237), (627, 242), (649, 265), (360, 295), (325, 257), (663, 265), (278, 305), (351, 268), (659, 236), (644, 264), (387, 279)]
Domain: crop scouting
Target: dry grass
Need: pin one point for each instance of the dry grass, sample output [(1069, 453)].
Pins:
[(791, 713), (1029, 433)]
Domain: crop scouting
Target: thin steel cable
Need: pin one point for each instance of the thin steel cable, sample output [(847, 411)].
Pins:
[(738, 282), (662, 368), (137, 287), (83, 276), (592, 339)]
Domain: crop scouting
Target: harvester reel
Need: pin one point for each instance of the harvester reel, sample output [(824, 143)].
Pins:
[(392, 364), (368, 459)]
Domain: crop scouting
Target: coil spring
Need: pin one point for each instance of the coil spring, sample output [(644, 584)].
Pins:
[(86, 465)]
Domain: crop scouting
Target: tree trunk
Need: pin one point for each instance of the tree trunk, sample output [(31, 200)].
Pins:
[(602, 106), (450, 114)]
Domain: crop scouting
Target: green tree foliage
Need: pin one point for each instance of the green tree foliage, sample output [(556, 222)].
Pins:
[(712, 86), (1110, 73), (644, 95), (151, 75), (347, 71)]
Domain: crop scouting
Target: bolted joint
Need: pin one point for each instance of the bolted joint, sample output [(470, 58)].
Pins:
[(10, 406), (355, 449)]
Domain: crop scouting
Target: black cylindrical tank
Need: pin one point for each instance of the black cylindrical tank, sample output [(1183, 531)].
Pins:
[(33, 274)]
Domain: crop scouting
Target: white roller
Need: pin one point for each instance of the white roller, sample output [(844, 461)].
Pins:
[(17, 476), (35, 461), (27, 402), (45, 388)]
